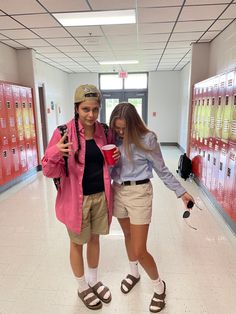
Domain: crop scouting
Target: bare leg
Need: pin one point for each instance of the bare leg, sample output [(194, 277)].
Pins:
[(139, 235), (125, 226), (76, 259), (93, 251)]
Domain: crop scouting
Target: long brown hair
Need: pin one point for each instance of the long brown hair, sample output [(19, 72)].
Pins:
[(135, 127)]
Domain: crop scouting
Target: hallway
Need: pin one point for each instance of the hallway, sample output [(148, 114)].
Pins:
[(199, 266)]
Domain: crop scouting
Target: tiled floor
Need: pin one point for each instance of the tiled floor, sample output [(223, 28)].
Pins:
[(199, 267)]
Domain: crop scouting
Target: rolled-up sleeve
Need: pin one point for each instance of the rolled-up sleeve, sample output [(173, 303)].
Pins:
[(158, 164)]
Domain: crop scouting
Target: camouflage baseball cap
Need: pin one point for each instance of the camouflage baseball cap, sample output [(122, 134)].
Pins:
[(87, 92)]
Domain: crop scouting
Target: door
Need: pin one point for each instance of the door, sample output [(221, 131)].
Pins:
[(43, 116), (111, 98)]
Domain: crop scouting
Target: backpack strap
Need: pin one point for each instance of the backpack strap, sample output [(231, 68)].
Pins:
[(105, 128), (62, 129)]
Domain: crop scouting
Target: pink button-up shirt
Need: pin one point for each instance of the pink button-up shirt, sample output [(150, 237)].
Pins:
[(69, 201)]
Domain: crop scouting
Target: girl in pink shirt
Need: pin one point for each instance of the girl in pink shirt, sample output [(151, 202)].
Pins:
[(84, 198)]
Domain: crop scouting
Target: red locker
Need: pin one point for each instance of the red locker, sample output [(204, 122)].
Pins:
[(31, 112), (215, 167), (230, 181), (34, 152), (22, 156), (209, 162), (222, 173), (220, 106), (18, 112), (232, 136), (25, 113), (10, 109), (6, 164), (29, 154), (3, 117)]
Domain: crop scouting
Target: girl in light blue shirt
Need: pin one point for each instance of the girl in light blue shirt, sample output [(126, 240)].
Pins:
[(140, 154)]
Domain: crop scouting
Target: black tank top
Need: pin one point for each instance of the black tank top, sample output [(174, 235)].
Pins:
[(93, 171)]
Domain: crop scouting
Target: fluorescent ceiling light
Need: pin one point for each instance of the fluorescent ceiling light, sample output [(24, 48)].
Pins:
[(119, 62), (96, 18)]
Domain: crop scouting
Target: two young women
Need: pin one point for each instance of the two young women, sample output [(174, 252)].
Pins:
[(84, 201)]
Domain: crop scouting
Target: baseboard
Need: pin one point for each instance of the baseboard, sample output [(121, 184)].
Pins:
[(227, 219), (19, 179), (172, 144)]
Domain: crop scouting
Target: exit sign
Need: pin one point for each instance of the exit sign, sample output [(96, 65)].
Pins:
[(123, 74)]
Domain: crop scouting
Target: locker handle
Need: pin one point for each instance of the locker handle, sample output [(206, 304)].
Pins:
[(221, 165), (228, 172)]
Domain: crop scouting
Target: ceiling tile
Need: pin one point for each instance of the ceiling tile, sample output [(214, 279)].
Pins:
[(159, 3), (154, 37), (177, 50), (19, 34), (158, 15), (3, 37), (37, 20), (65, 6), (85, 31), (16, 7), (230, 13), (186, 36), (199, 2), (46, 49), (195, 26), (152, 45), (112, 5), (178, 44), (12, 43), (119, 29), (62, 41), (8, 23), (31, 43), (52, 32), (209, 35), (87, 41), (149, 28), (203, 12), (220, 25), (77, 48)]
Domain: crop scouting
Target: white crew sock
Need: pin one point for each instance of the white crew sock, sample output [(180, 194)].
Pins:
[(158, 286), (92, 280), (134, 269)]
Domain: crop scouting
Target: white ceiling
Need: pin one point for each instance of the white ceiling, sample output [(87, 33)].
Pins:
[(161, 39)]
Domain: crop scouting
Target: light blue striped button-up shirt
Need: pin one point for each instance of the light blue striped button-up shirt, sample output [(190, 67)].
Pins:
[(142, 164)]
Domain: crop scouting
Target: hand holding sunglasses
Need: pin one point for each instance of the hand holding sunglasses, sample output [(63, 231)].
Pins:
[(186, 214)]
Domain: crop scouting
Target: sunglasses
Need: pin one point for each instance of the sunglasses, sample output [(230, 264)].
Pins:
[(186, 214)]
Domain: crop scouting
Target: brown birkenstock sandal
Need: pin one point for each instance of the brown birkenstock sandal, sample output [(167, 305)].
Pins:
[(129, 286), (158, 301), (101, 294), (87, 302)]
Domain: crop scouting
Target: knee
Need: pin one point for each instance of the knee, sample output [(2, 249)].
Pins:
[(140, 253), (94, 239)]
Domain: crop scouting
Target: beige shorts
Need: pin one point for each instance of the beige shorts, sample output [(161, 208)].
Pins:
[(133, 202), (95, 218)]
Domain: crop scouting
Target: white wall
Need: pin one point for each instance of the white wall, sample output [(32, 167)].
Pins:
[(184, 106), (56, 90), (163, 98), (223, 51), (8, 64)]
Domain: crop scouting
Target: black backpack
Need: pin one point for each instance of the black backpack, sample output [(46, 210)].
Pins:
[(62, 129), (184, 166)]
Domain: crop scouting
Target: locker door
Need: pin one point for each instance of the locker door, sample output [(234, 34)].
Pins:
[(18, 112), (3, 118), (209, 163), (232, 136), (11, 123), (220, 106), (228, 107), (215, 167), (31, 112), (22, 156), (222, 173), (29, 154), (230, 181), (25, 113), (6, 164)]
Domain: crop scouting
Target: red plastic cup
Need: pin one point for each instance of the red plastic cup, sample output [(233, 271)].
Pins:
[(108, 151)]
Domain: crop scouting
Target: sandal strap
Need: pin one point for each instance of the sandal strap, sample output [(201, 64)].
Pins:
[(103, 292), (86, 292), (127, 284)]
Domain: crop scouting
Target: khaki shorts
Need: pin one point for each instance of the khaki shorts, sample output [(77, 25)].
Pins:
[(95, 218), (133, 202)]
